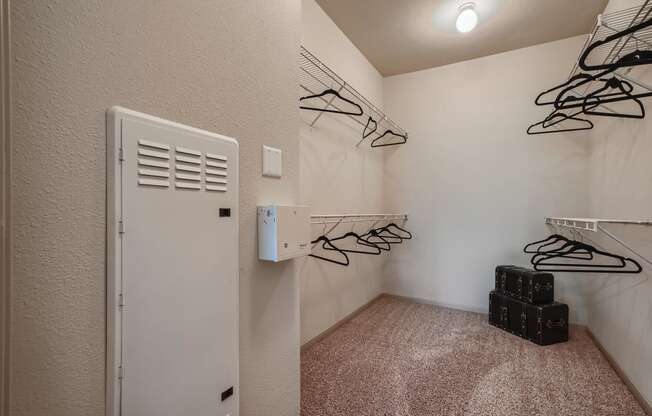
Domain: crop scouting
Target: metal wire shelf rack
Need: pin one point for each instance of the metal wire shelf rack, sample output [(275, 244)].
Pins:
[(349, 218), (315, 77), (596, 225), (608, 24), (614, 22), (335, 220), (590, 224)]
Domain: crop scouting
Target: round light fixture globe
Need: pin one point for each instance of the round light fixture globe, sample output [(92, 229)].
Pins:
[(467, 19)]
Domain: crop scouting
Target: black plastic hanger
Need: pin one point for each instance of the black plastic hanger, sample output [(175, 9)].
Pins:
[(370, 122), (566, 251), (553, 237), (571, 80), (383, 244), (360, 241), (595, 99), (543, 263), (563, 252), (564, 101), (331, 91), (403, 137), (632, 59), (549, 241), (392, 238), (409, 234), (327, 242), (567, 86), (557, 117), (566, 98)]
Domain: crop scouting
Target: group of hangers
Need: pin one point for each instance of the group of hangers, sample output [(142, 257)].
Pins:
[(373, 242), (369, 129), (610, 88), (560, 254)]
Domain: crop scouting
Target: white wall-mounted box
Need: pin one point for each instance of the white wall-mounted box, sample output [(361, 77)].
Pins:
[(283, 232)]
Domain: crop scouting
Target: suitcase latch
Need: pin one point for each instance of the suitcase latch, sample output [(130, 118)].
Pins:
[(556, 324)]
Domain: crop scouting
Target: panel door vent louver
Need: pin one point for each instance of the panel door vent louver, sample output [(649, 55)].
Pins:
[(216, 172), (153, 164), (187, 168)]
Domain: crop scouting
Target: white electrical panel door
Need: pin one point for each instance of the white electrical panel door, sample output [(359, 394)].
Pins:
[(172, 269)]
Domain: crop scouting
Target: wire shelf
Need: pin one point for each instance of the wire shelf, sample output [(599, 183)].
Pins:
[(349, 218), (315, 77), (596, 225), (590, 224), (611, 23)]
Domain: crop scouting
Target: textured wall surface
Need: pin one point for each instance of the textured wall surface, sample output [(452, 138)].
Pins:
[(621, 187), (476, 186), (620, 305), (338, 178), (223, 66)]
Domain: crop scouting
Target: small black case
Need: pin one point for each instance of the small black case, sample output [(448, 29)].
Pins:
[(525, 284), (501, 277), (541, 324)]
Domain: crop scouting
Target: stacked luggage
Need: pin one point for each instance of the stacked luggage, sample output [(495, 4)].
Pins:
[(523, 304)]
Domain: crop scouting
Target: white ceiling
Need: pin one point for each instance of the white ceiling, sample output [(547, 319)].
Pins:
[(399, 36)]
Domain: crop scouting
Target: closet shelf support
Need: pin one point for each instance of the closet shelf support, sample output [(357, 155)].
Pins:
[(622, 243)]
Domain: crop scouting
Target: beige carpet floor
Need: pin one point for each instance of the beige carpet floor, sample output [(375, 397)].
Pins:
[(399, 358)]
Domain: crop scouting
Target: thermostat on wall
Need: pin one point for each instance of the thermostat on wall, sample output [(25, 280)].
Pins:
[(283, 232)]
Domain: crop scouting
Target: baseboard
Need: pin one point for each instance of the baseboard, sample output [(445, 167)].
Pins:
[(338, 324), (632, 388), (440, 304)]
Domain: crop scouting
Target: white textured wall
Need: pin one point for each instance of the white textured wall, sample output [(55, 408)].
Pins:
[(337, 178), (475, 185), (223, 66), (620, 306)]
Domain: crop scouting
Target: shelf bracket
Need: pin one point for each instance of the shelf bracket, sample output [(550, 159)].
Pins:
[(622, 243)]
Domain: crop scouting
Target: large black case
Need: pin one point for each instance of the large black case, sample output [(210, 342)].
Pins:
[(525, 284), (541, 324)]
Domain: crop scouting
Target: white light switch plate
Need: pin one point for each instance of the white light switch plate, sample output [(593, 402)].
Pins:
[(272, 162)]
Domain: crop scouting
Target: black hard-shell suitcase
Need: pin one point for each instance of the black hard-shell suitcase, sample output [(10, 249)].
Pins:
[(525, 284), (501, 276), (541, 324)]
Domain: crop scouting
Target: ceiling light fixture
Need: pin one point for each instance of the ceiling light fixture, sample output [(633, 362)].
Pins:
[(467, 19)]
